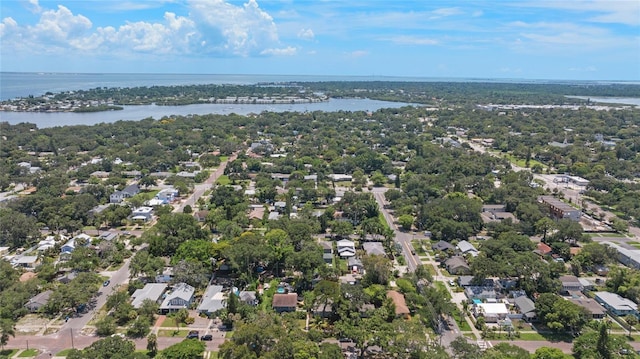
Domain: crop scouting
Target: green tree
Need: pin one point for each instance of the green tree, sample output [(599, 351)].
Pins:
[(187, 349), (152, 345), (406, 221), (6, 330), (548, 353), (106, 326)]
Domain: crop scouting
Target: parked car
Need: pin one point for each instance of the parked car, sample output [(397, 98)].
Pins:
[(207, 337), (194, 334), (106, 283)]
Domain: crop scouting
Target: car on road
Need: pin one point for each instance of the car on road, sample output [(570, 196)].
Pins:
[(106, 283), (194, 334), (207, 337)]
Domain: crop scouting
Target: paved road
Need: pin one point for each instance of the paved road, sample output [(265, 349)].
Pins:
[(70, 334), (200, 188), (401, 237)]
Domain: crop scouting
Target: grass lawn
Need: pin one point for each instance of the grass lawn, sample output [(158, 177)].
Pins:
[(169, 322), (29, 353), (442, 287), (383, 221), (634, 244), (172, 333), (459, 318), (63, 353), (224, 158), (228, 334), (213, 355), (223, 180), (417, 245), (608, 234), (8, 353)]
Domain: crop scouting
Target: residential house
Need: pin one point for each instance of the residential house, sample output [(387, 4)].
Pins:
[(27, 262), (127, 192), (285, 302), (457, 265), (144, 214), (46, 244), (212, 301), (355, 265), (443, 246), (480, 292), (201, 216), (166, 276), (616, 304), (570, 283), (401, 308), (167, 195), (596, 310), (65, 279), (151, 291), (181, 296), (543, 249), (5, 250), (494, 208), (40, 300), (374, 248), (108, 236), (248, 297), (338, 177), (526, 307), (492, 312), (467, 248), (346, 248)]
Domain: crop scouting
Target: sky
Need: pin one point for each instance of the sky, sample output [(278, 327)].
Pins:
[(535, 39)]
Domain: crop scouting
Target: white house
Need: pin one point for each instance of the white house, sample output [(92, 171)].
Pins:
[(346, 248), (151, 291), (127, 192), (142, 214), (180, 297), (212, 301)]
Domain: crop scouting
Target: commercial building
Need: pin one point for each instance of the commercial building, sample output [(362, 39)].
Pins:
[(559, 209)]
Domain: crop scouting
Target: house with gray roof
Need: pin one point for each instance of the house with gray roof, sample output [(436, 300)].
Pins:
[(181, 296), (127, 192), (526, 307), (616, 304), (467, 248), (40, 300), (213, 300), (374, 248), (457, 265), (443, 246), (151, 291)]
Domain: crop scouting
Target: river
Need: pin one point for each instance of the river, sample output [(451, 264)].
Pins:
[(135, 113)]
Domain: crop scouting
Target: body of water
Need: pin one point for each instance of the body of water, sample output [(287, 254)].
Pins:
[(135, 113), (618, 100)]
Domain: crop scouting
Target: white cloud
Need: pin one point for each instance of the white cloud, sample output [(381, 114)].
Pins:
[(306, 34), (563, 36), (606, 11), (287, 51), (212, 27), (412, 40), (35, 6)]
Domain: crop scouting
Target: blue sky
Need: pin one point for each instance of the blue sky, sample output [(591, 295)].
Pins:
[(536, 39)]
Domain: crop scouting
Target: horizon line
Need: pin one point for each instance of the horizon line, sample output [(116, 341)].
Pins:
[(493, 79)]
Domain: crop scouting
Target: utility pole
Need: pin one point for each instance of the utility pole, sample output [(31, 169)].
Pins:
[(71, 329)]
